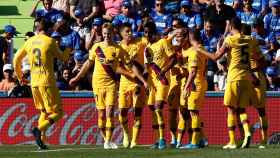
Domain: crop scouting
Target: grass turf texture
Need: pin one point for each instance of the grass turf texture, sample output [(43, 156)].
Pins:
[(16, 12), (86, 151)]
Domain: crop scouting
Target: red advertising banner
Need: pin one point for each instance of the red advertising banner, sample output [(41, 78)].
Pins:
[(79, 124)]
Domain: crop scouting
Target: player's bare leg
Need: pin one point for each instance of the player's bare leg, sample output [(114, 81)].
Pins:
[(136, 126), (231, 124), (173, 125), (264, 126), (102, 122), (124, 124)]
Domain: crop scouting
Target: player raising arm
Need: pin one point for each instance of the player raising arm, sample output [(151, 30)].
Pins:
[(239, 88), (159, 58), (41, 51)]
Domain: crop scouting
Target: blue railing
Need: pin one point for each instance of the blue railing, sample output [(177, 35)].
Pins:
[(87, 94)]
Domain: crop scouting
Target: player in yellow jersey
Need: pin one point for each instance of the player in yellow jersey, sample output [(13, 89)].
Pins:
[(107, 58), (178, 75), (159, 58), (259, 85), (41, 51), (131, 91), (239, 89), (195, 87)]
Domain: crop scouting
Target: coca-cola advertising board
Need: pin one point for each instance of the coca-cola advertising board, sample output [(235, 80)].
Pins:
[(79, 124)]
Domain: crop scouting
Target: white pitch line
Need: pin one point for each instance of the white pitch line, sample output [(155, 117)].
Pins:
[(50, 150)]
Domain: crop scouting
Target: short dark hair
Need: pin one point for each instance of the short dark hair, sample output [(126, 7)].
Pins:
[(124, 25), (236, 23), (246, 29), (196, 35), (258, 22), (29, 34), (151, 25)]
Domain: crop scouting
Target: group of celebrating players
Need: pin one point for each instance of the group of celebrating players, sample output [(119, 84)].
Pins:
[(155, 71)]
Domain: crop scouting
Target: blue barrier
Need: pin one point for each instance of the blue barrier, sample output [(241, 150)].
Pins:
[(88, 94)]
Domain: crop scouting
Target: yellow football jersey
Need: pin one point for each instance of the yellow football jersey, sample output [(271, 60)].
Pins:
[(114, 55), (160, 52), (239, 56), (135, 51), (41, 51), (197, 60), (254, 62)]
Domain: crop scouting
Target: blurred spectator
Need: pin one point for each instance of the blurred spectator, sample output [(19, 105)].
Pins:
[(210, 39), (261, 6), (272, 20), (63, 80), (69, 37), (273, 47), (172, 6), (3, 53), (258, 32), (79, 58), (90, 9), (248, 14), (113, 8), (23, 90), (162, 19), (95, 34), (82, 29), (126, 16), (273, 79), (198, 7), (8, 82), (9, 33), (49, 13), (220, 14), (235, 4), (191, 19), (62, 5), (220, 77)]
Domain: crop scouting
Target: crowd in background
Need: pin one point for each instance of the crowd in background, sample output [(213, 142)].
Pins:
[(76, 24)]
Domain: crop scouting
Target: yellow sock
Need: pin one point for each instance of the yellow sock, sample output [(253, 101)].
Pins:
[(264, 127), (160, 123), (136, 130), (181, 129), (109, 129), (231, 134), (196, 129), (231, 120), (244, 120), (52, 118)]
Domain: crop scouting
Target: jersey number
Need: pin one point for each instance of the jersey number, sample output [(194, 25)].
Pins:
[(245, 54), (37, 55)]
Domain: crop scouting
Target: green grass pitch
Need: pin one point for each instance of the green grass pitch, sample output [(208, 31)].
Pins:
[(87, 151)]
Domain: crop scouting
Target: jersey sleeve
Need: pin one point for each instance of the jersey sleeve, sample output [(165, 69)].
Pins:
[(61, 55), (198, 20), (228, 41), (21, 53), (193, 59), (92, 53), (167, 47)]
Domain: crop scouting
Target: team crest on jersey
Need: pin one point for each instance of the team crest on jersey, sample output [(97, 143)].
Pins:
[(114, 54)]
